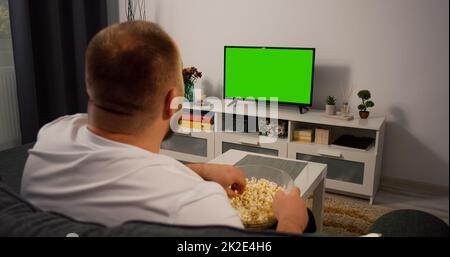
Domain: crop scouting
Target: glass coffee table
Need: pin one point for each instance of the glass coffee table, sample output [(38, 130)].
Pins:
[(309, 177)]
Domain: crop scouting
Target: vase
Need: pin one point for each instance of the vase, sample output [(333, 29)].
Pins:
[(364, 114), (330, 109), (345, 109), (189, 91)]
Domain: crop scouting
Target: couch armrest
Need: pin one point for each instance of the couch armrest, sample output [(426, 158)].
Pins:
[(409, 223)]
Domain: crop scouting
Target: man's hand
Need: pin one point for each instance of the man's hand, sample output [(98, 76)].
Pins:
[(290, 211), (229, 177)]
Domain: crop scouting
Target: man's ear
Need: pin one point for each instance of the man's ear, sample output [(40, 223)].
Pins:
[(171, 106)]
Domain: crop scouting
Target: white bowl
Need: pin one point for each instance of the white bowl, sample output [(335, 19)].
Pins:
[(280, 177)]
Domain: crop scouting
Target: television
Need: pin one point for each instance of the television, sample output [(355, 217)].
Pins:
[(285, 73)]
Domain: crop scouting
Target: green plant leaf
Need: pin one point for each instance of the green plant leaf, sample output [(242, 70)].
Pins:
[(364, 94), (362, 107), (370, 104), (331, 100)]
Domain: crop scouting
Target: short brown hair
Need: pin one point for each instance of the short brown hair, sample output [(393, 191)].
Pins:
[(127, 65)]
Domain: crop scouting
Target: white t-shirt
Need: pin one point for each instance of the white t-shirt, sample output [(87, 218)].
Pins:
[(72, 171)]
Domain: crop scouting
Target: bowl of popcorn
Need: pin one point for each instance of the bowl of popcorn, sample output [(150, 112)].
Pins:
[(254, 205)]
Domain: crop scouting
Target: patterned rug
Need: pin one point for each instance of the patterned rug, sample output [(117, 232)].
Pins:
[(350, 217)]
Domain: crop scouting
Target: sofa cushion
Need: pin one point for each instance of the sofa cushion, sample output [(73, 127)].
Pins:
[(141, 228), (19, 218), (410, 223), (12, 162)]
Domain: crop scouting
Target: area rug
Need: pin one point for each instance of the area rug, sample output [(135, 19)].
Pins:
[(349, 217)]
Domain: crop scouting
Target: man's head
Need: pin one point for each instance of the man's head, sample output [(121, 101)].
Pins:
[(133, 70)]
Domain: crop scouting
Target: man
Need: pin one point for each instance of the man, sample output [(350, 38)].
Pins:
[(105, 166)]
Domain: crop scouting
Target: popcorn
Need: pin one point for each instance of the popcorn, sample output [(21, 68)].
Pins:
[(254, 205)]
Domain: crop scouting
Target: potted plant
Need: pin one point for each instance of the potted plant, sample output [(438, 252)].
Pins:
[(366, 103), (330, 107), (190, 76)]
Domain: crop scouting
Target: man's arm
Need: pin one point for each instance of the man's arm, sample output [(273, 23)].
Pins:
[(290, 211), (229, 177), (198, 168), (289, 208), (207, 206)]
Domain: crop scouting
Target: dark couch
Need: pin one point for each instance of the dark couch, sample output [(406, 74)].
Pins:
[(19, 218)]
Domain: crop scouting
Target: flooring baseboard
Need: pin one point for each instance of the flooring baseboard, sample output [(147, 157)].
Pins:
[(404, 185)]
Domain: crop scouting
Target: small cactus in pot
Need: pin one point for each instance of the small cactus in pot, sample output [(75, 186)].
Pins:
[(330, 107)]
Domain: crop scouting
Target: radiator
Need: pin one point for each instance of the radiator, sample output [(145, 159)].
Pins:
[(10, 135)]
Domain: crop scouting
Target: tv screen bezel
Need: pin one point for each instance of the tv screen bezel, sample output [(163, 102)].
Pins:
[(272, 47)]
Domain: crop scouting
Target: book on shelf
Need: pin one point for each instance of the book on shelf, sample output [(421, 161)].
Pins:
[(199, 118), (304, 140), (196, 125), (205, 117), (303, 135), (322, 136)]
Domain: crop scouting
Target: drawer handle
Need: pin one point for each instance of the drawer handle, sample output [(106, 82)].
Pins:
[(253, 142), (330, 153)]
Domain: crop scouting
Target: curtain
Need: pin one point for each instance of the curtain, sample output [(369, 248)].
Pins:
[(49, 41)]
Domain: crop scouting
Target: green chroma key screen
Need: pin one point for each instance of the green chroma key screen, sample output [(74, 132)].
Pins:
[(286, 73)]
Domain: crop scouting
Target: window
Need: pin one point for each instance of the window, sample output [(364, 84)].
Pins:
[(5, 30), (9, 111)]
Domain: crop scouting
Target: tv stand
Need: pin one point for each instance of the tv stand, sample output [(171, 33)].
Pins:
[(350, 170), (303, 109), (235, 100)]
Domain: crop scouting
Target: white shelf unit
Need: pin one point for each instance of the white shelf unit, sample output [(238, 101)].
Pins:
[(190, 146), (249, 143), (350, 171)]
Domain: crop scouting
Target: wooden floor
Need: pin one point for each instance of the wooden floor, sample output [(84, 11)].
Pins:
[(434, 203)]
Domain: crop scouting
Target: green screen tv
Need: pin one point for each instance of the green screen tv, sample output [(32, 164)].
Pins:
[(255, 72)]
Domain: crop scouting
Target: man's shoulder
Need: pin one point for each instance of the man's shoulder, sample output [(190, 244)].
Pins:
[(169, 168), (63, 122), (79, 117)]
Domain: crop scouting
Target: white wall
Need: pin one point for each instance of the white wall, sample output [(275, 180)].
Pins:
[(398, 49)]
